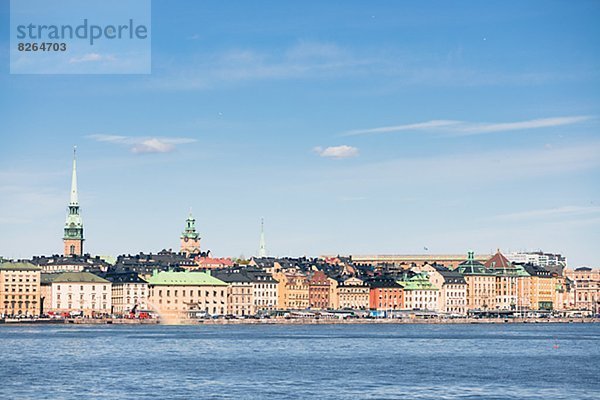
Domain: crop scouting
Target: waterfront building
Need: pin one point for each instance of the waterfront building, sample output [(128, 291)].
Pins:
[(419, 292), (240, 292), (190, 239), (19, 289), (319, 291), (586, 291), (175, 294), (129, 293), (481, 284), (81, 292), (292, 291), (264, 289), (542, 287), (46, 292), (334, 296), (510, 281), (452, 297), (73, 232), (353, 294), (385, 294)]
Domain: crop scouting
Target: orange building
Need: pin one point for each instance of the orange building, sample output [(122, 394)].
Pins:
[(385, 294)]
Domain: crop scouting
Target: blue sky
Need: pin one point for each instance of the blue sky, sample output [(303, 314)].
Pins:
[(352, 127)]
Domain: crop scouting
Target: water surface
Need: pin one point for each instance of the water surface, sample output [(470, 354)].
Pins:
[(541, 361)]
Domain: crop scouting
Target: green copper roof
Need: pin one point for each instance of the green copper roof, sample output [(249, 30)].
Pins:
[(83, 277), (190, 228), (184, 279), (417, 282), (472, 266), (19, 266)]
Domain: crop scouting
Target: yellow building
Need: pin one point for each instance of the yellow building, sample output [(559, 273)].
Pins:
[(292, 291), (353, 294), (542, 288), (481, 284), (334, 297), (19, 289)]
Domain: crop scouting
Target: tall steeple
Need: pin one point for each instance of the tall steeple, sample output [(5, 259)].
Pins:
[(74, 197), (262, 247), (73, 237)]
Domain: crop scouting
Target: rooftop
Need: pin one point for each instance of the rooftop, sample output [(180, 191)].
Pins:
[(18, 266), (186, 278), (79, 277)]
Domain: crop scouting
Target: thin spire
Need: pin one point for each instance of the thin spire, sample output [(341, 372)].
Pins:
[(74, 197), (262, 249)]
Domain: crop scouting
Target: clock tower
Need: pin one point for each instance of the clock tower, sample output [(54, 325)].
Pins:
[(73, 237), (190, 240)]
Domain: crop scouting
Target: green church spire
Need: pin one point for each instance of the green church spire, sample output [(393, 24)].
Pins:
[(74, 224)]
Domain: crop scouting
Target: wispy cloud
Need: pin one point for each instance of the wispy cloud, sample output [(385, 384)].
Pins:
[(557, 212), (464, 128), (92, 57), (336, 152), (468, 170), (141, 145), (302, 60)]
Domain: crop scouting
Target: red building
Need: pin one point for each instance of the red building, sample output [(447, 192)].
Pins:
[(385, 294), (318, 291)]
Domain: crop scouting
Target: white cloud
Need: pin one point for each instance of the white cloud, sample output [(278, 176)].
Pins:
[(464, 128), (337, 152), (92, 57), (142, 145)]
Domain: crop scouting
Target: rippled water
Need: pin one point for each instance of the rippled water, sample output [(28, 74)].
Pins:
[(541, 361)]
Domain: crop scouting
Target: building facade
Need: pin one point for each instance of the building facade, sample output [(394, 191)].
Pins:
[(292, 291), (354, 294), (81, 292), (19, 289), (510, 282), (240, 292), (385, 294), (264, 288), (319, 291), (174, 294), (452, 297), (129, 293), (481, 284), (420, 293), (586, 288)]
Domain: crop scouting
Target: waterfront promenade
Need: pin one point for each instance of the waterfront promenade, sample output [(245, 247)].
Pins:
[(299, 321)]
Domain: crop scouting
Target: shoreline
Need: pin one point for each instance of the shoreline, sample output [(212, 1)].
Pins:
[(304, 321)]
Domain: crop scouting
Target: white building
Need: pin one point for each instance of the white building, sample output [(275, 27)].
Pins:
[(264, 289), (538, 258), (81, 292), (420, 293), (129, 293)]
